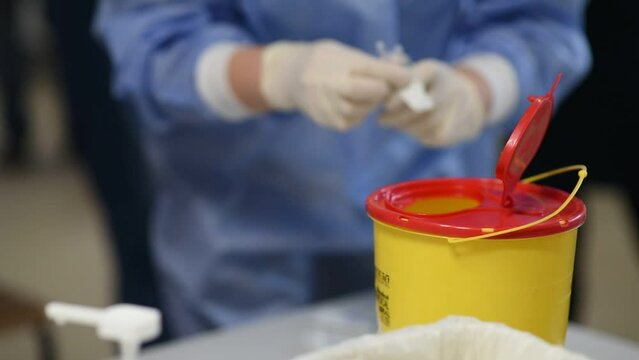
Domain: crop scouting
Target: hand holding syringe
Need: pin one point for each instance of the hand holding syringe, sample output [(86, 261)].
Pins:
[(414, 94)]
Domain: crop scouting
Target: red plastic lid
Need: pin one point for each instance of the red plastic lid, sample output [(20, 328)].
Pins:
[(396, 205), (524, 142), (466, 207)]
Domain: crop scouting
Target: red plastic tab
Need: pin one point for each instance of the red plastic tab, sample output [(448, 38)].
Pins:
[(524, 142)]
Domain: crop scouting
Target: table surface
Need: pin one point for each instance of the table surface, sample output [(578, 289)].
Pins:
[(300, 331)]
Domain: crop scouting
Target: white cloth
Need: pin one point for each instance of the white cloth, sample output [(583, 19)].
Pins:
[(453, 338)]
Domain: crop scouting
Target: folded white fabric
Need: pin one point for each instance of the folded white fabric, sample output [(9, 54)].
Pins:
[(453, 338)]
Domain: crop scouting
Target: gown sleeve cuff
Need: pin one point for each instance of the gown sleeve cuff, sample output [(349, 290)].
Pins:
[(501, 78), (213, 86)]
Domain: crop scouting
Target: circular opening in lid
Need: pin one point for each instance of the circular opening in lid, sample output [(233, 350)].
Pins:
[(441, 205)]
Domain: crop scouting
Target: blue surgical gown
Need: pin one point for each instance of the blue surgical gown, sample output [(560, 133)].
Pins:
[(241, 208)]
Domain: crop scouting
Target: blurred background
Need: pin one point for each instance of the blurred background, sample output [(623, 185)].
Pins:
[(74, 193)]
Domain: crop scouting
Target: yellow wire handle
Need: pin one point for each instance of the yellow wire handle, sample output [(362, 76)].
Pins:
[(583, 172)]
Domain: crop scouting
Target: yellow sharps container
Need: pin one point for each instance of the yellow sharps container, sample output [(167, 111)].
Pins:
[(498, 249)]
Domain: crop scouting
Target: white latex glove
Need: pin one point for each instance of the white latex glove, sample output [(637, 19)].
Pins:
[(336, 85), (459, 112)]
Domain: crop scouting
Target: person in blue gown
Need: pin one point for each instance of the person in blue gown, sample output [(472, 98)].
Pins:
[(268, 122)]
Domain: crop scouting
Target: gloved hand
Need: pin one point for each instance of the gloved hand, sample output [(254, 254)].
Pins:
[(459, 112), (336, 85)]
